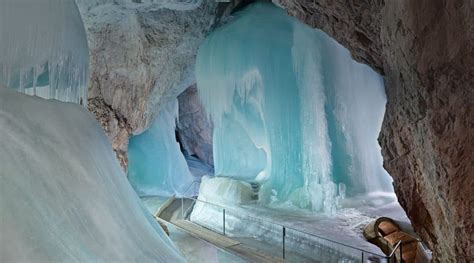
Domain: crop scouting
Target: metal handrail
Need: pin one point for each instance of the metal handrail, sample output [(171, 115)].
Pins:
[(286, 227), (190, 185), (182, 198), (398, 244)]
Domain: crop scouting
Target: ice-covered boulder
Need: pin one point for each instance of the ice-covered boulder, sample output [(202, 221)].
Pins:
[(225, 190)]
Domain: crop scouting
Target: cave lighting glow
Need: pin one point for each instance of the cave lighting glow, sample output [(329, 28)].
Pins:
[(292, 110)]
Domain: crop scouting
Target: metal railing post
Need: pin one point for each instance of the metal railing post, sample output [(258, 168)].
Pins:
[(362, 258), (393, 255), (389, 258), (401, 252), (283, 237), (182, 207), (223, 221)]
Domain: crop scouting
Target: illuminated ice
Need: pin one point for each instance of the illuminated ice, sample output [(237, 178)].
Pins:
[(291, 110), (156, 164), (43, 49)]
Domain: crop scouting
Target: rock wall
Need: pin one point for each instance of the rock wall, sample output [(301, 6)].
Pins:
[(427, 135), (194, 126), (354, 24), (141, 54), (425, 50)]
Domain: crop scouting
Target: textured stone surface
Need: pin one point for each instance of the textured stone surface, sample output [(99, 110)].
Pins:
[(141, 54), (353, 23), (194, 126), (116, 127), (425, 50), (427, 135)]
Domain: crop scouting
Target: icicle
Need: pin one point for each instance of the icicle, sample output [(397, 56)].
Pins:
[(44, 32)]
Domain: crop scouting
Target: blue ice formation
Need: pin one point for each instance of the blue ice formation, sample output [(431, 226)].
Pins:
[(156, 164), (43, 49), (291, 110)]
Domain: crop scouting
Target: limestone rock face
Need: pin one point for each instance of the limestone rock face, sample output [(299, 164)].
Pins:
[(427, 135), (115, 126), (194, 126), (425, 49), (354, 24), (141, 54)]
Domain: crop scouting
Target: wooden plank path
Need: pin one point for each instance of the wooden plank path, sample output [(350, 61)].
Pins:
[(171, 212), (171, 209), (226, 243)]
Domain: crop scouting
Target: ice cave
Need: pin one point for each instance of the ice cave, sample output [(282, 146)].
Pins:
[(236, 131)]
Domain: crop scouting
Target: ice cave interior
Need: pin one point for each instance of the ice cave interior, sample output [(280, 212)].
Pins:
[(294, 140), (269, 137)]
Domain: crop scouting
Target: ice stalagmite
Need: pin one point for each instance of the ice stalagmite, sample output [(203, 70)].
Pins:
[(292, 111), (43, 49), (156, 164)]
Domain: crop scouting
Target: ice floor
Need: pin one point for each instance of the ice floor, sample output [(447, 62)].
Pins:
[(308, 234), (249, 224), (344, 226), (261, 226)]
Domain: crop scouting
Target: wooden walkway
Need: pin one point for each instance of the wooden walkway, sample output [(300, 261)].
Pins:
[(226, 243), (171, 212), (171, 209)]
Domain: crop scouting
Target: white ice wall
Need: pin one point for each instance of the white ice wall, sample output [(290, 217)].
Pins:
[(63, 195)]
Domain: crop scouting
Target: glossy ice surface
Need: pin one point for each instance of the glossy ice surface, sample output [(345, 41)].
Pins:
[(292, 110)]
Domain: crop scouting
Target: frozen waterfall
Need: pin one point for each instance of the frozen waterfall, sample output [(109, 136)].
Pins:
[(43, 49), (292, 110)]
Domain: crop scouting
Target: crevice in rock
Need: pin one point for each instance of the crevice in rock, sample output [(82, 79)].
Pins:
[(194, 128), (115, 126)]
